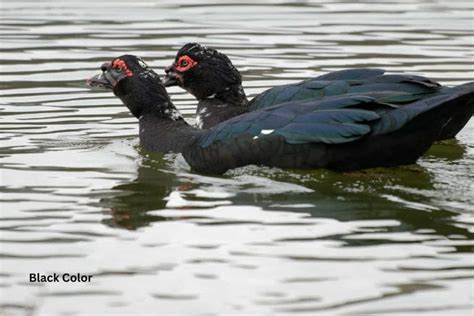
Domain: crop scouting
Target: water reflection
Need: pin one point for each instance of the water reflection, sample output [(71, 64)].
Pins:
[(130, 202), (79, 196), (377, 194)]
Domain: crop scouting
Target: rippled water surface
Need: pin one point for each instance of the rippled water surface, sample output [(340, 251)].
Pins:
[(79, 195)]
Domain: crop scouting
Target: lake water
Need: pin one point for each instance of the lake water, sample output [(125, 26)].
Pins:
[(79, 195)]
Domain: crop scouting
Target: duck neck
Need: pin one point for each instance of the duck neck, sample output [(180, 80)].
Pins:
[(233, 95), (165, 133), (161, 126)]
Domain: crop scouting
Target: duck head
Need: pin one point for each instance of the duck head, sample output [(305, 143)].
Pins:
[(137, 85), (202, 71)]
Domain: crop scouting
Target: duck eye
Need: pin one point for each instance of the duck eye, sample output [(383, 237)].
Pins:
[(184, 63)]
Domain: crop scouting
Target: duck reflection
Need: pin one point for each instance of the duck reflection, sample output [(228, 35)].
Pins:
[(404, 194), (130, 202), (449, 150)]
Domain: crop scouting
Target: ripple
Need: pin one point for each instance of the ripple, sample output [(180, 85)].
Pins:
[(77, 192)]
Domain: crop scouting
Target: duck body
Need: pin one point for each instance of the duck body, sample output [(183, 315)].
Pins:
[(400, 90), (343, 132), (396, 89), (339, 133)]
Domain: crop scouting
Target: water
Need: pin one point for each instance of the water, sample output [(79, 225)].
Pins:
[(80, 196)]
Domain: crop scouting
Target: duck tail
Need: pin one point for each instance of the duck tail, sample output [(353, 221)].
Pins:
[(462, 109)]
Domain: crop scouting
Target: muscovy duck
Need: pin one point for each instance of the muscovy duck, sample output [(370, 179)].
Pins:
[(343, 133), (211, 77)]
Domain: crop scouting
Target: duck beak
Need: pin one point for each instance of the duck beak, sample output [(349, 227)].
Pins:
[(169, 81), (99, 81), (108, 79), (171, 78)]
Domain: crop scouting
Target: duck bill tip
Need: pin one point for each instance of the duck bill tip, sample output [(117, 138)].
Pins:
[(169, 81), (98, 81)]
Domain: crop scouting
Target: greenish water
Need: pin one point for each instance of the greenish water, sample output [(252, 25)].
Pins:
[(79, 195)]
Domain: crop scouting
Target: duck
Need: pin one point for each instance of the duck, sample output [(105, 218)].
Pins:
[(342, 133), (215, 82)]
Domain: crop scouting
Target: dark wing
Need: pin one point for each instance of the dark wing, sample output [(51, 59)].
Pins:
[(311, 88), (402, 88), (350, 74), (313, 133), (331, 121), (458, 104)]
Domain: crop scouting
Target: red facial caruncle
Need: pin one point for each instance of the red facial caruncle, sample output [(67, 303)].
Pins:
[(185, 63), (122, 66)]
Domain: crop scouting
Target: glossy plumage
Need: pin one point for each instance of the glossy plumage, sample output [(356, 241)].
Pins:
[(395, 89), (342, 133), (398, 88), (345, 132)]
